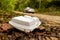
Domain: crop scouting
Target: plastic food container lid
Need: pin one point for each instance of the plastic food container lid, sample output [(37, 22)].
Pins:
[(25, 23)]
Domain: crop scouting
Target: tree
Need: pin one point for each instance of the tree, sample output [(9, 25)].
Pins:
[(7, 5), (21, 4)]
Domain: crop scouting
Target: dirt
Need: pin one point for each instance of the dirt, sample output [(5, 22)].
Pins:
[(8, 32), (48, 30)]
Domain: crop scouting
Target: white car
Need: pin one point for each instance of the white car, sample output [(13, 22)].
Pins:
[(25, 23)]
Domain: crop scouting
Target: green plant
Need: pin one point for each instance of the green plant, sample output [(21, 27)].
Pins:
[(7, 5)]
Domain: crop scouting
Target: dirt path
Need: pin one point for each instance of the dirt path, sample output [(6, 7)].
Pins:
[(45, 17), (49, 18), (51, 32), (49, 21)]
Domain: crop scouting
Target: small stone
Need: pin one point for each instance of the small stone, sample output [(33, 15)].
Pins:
[(47, 38), (32, 39), (41, 27), (54, 38), (53, 34), (39, 38)]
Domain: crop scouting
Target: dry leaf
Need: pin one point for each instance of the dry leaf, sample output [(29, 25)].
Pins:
[(6, 26)]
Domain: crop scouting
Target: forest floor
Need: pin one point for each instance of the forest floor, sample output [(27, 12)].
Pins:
[(48, 30)]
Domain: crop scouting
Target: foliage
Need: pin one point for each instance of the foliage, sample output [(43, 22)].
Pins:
[(7, 5), (19, 5)]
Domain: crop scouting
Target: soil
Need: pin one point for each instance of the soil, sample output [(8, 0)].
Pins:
[(48, 30), (8, 32)]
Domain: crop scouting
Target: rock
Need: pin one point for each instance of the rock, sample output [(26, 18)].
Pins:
[(41, 27), (32, 39), (47, 38), (39, 38), (53, 34), (54, 38)]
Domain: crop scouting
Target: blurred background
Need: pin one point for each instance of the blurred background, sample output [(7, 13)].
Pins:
[(51, 7), (38, 5)]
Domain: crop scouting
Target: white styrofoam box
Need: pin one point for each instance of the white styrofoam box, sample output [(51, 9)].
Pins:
[(31, 10), (28, 9), (25, 23)]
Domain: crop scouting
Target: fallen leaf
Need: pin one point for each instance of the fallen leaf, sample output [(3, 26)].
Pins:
[(6, 26)]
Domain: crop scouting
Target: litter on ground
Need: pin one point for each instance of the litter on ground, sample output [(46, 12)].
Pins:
[(25, 23)]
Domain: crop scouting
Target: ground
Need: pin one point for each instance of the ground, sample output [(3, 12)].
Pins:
[(48, 30)]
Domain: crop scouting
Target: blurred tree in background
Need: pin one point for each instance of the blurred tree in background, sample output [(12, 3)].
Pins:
[(21, 4), (7, 5), (40, 5)]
